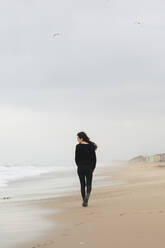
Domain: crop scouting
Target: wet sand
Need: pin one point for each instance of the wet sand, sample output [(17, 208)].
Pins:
[(21, 213)]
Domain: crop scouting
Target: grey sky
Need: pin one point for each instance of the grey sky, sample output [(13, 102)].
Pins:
[(104, 75)]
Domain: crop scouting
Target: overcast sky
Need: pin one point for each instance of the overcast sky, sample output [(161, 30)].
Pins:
[(103, 74)]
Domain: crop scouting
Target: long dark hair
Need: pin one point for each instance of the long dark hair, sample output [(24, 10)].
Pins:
[(84, 136)]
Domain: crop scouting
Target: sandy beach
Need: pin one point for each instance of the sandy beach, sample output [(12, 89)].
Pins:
[(23, 217), (127, 215)]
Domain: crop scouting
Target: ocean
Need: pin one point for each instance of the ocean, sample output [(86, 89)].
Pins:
[(36, 181)]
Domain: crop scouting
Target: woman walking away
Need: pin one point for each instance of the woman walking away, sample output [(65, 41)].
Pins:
[(85, 158)]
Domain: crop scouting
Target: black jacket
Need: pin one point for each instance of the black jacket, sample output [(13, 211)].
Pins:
[(85, 155)]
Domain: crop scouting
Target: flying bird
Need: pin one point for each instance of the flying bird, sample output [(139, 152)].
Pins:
[(56, 34), (138, 23)]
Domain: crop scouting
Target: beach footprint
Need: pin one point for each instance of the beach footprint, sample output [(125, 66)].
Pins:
[(121, 214), (49, 242), (64, 234), (90, 213), (78, 224), (149, 212)]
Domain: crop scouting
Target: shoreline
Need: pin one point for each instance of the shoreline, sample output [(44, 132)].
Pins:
[(120, 216), (54, 184), (106, 181), (28, 211)]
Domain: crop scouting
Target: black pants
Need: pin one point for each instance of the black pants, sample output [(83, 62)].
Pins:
[(85, 175)]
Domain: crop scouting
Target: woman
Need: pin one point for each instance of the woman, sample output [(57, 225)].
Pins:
[(85, 158)]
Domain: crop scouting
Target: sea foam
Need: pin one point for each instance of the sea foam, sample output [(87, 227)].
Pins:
[(15, 172)]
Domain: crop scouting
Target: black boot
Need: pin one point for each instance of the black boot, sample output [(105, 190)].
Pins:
[(86, 199), (84, 204)]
